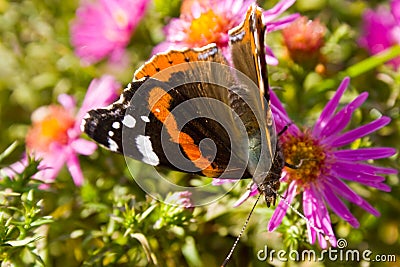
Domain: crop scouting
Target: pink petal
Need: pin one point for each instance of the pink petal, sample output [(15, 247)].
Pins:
[(281, 120), (316, 212), (365, 153), (395, 9), (277, 105), (51, 165), (380, 30), (101, 93), (67, 101), (359, 132), (338, 207), (354, 174), (281, 23), (309, 207), (165, 46), (83, 147), (367, 207), (249, 193), (379, 186), (217, 181), (277, 10), (343, 189), (371, 180), (75, 169), (237, 7), (364, 168), (282, 207), (270, 58), (330, 107), (15, 168), (281, 117), (103, 27), (342, 118)]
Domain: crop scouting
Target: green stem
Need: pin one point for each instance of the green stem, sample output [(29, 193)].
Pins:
[(363, 66), (373, 62)]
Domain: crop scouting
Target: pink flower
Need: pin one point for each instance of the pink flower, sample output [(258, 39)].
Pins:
[(304, 39), (321, 181), (204, 22), (54, 136), (104, 28), (322, 175), (381, 29)]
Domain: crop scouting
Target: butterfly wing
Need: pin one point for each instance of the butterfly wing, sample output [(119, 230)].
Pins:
[(248, 56), (189, 111), (176, 113)]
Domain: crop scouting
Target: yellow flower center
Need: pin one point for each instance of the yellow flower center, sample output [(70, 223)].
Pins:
[(206, 29), (307, 151), (50, 124)]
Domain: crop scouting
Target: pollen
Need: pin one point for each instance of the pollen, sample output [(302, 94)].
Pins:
[(207, 28), (306, 153), (50, 125)]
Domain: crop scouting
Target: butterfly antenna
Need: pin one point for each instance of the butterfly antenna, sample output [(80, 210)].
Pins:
[(241, 233), (308, 222)]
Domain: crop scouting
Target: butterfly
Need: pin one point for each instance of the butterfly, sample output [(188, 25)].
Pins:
[(196, 111)]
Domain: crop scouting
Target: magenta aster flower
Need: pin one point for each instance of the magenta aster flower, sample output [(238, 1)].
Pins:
[(104, 28), (381, 29), (54, 137), (321, 178), (204, 22)]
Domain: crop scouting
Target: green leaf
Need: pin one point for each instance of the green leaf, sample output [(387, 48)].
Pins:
[(373, 62), (23, 242), (146, 246), (8, 151), (190, 252)]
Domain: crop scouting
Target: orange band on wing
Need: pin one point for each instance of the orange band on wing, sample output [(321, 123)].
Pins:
[(159, 102), (161, 62)]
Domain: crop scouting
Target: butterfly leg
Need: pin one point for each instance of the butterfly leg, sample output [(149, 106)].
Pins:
[(295, 166), (285, 128), (292, 166)]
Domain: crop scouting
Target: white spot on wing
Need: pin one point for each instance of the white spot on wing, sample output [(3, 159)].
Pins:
[(237, 37), (110, 133), (157, 110), (83, 123), (112, 145), (145, 118), (146, 149), (129, 121), (116, 125)]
